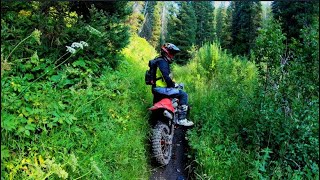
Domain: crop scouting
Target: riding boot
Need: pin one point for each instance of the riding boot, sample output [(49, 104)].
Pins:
[(182, 116)]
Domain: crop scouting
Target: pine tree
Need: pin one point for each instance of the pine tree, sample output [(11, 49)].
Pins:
[(246, 19), (295, 15), (164, 22), (156, 26), (182, 31), (136, 19), (221, 23), (109, 16), (171, 18), (146, 31), (205, 21), (151, 29), (227, 31)]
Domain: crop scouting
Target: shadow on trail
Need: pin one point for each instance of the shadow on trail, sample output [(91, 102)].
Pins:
[(178, 168)]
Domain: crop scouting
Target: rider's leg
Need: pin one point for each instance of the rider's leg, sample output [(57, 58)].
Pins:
[(183, 101), (183, 109)]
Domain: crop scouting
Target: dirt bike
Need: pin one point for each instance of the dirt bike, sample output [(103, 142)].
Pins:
[(165, 113)]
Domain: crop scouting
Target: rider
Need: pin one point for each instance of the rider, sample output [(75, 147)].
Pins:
[(166, 87)]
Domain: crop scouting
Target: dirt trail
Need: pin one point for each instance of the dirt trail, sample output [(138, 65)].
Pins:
[(176, 169)]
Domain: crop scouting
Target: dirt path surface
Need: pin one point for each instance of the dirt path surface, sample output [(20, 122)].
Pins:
[(176, 169)]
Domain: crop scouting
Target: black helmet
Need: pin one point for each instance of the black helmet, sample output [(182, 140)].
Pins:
[(169, 50)]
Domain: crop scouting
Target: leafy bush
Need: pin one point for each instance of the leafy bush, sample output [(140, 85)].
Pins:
[(222, 96), (81, 99), (256, 126), (287, 124), (89, 128), (105, 33)]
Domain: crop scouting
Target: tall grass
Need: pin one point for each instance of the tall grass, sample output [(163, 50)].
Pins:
[(98, 132), (222, 95)]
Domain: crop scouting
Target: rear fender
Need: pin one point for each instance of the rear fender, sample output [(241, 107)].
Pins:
[(163, 104)]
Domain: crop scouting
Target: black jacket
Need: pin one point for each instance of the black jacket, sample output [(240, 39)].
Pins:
[(164, 67)]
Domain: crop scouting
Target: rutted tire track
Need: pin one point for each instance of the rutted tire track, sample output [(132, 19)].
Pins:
[(176, 169)]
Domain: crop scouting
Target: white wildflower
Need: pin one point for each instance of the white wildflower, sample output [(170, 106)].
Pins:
[(71, 50), (77, 45), (84, 43)]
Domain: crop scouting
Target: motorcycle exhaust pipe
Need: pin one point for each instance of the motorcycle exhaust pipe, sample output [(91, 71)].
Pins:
[(167, 114)]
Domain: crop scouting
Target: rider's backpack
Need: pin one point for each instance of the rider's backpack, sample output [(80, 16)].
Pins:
[(150, 76)]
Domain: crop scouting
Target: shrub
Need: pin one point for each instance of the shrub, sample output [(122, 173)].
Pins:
[(80, 101), (222, 97), (289, 106)]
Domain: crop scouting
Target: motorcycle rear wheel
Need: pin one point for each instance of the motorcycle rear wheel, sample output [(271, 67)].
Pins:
[(162, 143)]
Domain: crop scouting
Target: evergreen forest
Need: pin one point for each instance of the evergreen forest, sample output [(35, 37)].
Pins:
[(74, 104)]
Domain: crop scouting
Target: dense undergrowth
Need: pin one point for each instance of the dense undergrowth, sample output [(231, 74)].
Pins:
[(97, 130), (83, 114), (222, 95), (64, 110), (256, 119)]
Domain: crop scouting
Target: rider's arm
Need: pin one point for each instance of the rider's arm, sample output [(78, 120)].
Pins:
[(165, 70)]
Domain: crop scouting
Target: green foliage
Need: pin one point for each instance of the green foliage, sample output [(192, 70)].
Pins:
[(108, 35), (222, 96), (288, 119), (269, 46), (81, 98), (295, 15), (207, 58), (246, 19), (87, 126), (136, 19), (256, 121), (227, 31), (156, 27), (220, 25), (151, 29), (62, 28), (182, 31), (205, 21)]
